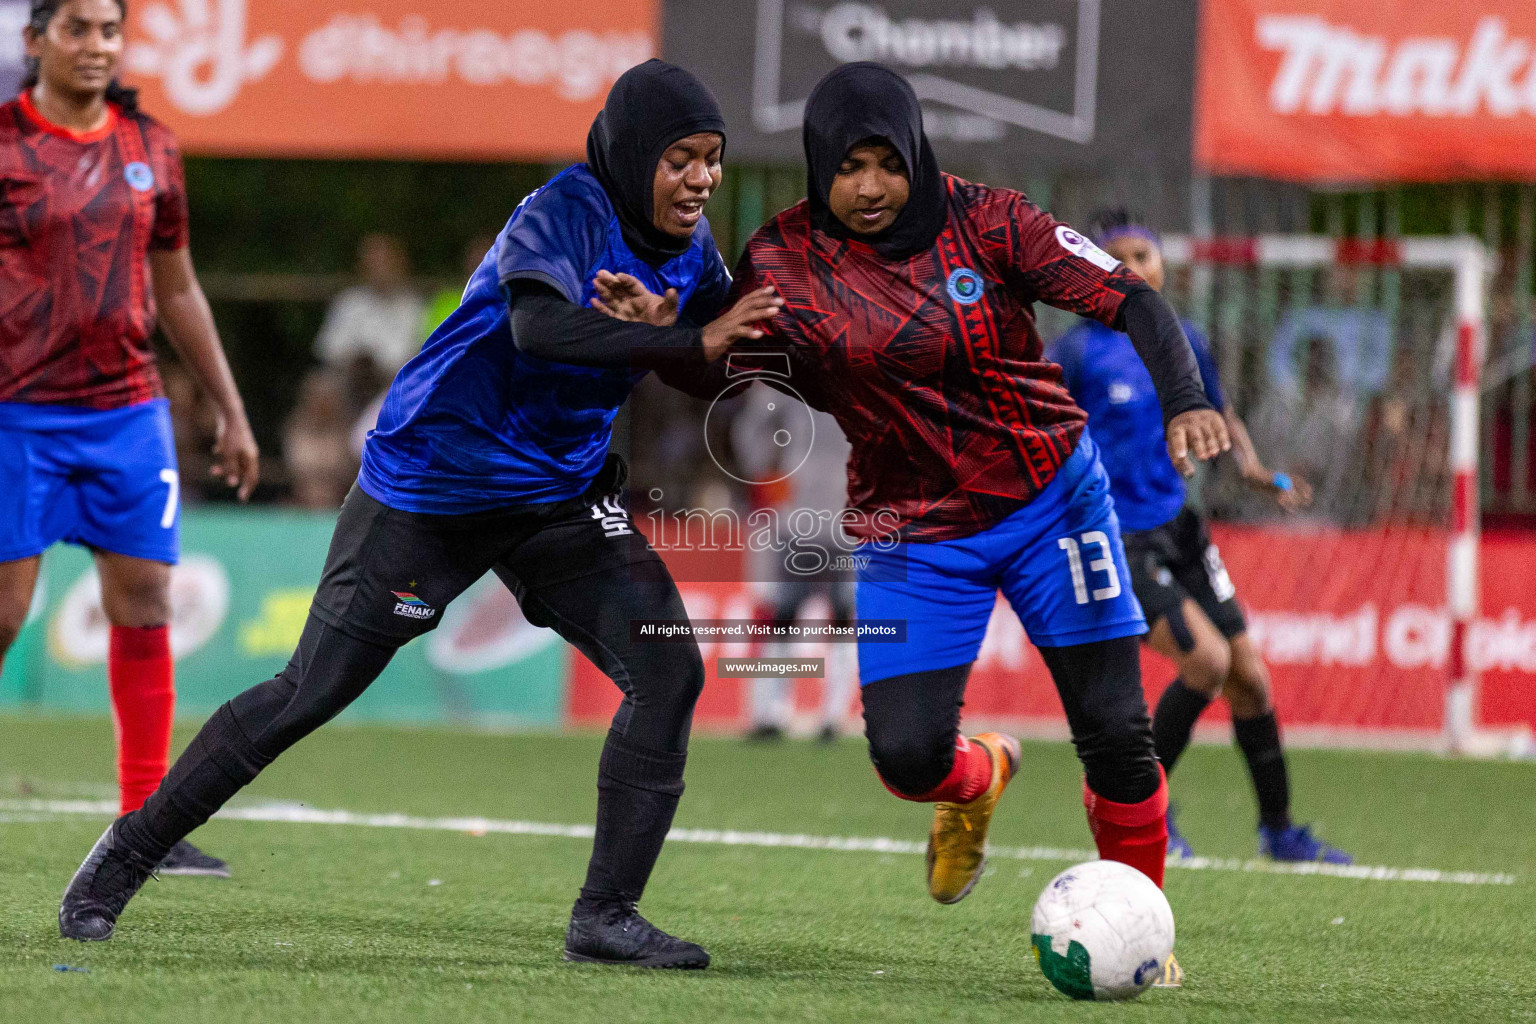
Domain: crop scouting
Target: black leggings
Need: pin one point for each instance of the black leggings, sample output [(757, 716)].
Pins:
[(331, 668), (661, 681), (911, 720)]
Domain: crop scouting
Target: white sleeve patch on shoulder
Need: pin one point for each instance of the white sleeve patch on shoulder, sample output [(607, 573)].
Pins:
[(1078, 245)]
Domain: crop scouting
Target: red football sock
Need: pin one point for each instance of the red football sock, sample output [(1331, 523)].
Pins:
[(967, 779), (1134, 834), (140, 674)]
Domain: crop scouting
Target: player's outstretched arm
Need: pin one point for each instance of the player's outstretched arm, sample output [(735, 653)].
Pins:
[(1195, 430), (1197, 435), (624, 297), (545, 325), (1291, 493), (742, 321), (548, 326), (188, 323)]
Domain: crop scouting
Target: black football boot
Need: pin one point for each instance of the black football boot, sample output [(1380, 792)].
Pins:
[(106, 881), (186, 859), (615, 933)]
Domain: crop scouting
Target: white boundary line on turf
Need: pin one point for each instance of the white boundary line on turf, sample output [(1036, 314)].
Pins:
[(296, 814)]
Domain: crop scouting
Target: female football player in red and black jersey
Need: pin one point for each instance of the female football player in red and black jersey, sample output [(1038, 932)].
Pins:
[(908, 316), (93, 240)]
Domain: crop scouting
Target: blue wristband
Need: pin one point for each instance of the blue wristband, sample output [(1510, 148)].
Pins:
[(1282, 481)]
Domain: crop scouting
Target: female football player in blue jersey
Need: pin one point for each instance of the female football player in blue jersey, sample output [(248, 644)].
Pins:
[(1176, 571), (491, 454), (908, 317)]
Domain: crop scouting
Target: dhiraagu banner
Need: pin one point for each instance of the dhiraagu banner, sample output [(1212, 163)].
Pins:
[(240, 597)]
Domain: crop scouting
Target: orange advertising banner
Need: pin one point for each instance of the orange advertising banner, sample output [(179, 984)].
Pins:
[(467, 79), (1367, 90)]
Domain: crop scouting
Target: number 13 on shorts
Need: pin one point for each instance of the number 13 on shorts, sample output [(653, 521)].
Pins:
[(1104, 564)]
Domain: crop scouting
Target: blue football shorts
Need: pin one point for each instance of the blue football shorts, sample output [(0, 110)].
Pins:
[(1058, 561), (102, 478)]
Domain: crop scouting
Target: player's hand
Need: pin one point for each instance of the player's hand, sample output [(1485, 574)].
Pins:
[(235, 458), (1291, 493), (740, 321), (1199, 434), (624, 297)]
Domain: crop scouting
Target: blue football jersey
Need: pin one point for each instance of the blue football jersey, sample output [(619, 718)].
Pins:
[(471, 423), (1107, 378)]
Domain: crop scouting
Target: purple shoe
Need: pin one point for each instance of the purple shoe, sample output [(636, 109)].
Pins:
[(1178, 846), (1296, 843)]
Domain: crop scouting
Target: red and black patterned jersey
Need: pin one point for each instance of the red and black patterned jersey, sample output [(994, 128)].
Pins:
[(78, 216), (933, 365)]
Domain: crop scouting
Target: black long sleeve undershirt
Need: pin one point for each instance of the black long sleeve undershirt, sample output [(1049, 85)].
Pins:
[(546, 325), (1160, 342)]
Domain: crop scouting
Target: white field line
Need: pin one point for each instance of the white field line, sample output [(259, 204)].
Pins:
[(16, 811)]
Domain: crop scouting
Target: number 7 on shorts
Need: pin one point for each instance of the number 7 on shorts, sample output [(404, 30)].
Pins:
[(172, 480)]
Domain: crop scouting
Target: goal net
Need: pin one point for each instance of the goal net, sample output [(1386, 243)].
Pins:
[(1356, 366)]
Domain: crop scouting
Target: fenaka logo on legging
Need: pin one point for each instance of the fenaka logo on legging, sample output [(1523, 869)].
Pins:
[(613, 517), (409, 606)]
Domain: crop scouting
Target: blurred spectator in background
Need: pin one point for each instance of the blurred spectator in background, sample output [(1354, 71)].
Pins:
[(362, 424), (1358, 341), (372, 328), (14, 15), (1509, 382), (437, 309), (193, 423), (446, 299), (370, 331), (797, 460), (316, 451), (1327, 364), (669, 460), (1310, 423), (1405, 448)]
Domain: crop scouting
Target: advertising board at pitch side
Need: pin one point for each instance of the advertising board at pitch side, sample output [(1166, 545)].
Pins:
[(1059, 83)]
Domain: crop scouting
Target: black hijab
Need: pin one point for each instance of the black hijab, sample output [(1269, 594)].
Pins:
[(861, 101), (651, 106)]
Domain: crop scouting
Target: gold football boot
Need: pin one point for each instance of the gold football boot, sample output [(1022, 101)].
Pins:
[(957, 843)]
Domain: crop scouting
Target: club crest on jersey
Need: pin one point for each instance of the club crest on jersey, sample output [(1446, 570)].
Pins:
[(139, 176), (409, 606), (965, 286)]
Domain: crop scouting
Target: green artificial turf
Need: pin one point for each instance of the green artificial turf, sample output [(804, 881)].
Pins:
[(344, 923)]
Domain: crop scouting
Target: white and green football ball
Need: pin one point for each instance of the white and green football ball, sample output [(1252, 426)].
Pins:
[(1102, 930)]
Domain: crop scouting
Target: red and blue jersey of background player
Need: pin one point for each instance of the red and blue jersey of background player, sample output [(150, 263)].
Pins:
[(78, 216), (933, 365), (1108, 379), (86, 450)]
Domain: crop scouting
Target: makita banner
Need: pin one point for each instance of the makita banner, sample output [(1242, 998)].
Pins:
[(474, 79), (1026, 87), (1351, 623), (1368, 90)]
